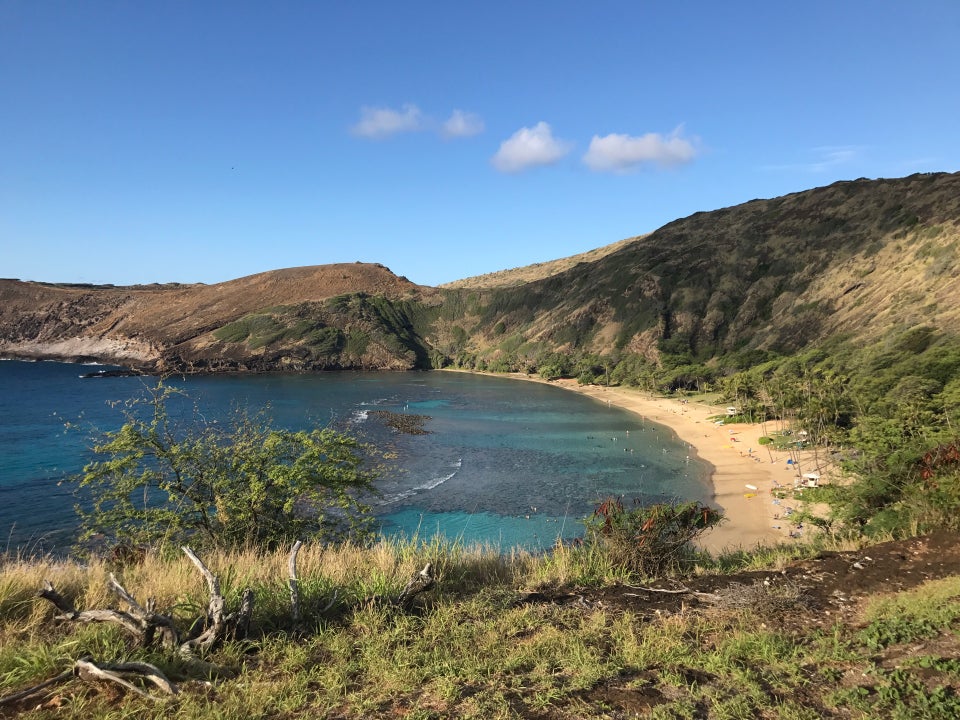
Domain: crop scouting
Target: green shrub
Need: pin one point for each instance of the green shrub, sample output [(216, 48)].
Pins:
[(648, 540)]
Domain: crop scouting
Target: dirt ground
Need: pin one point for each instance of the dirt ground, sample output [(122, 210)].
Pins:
[(803, 596), (831, 585)]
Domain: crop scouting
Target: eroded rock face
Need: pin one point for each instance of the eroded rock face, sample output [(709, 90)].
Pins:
[(81, 348)]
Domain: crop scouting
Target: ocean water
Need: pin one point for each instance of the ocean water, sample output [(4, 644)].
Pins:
[(505, 462)]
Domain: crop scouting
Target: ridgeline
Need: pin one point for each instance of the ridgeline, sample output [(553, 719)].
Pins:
[(855, 260)]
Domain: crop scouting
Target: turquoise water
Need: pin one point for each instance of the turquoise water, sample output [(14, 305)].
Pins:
[(505, 462)]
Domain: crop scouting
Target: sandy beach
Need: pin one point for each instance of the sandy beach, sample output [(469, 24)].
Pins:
[(744, 472)]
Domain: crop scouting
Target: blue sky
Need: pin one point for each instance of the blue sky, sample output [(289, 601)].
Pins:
[(203, 141)]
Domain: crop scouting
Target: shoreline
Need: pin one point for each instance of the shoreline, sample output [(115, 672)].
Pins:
[(744, 473)]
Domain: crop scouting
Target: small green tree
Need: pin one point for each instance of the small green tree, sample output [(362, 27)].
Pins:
[(221, 484)]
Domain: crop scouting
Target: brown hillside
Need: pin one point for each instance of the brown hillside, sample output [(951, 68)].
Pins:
[(186, 312), (136, 324)]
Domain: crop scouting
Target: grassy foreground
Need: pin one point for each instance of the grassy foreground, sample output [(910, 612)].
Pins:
[(498, 637)]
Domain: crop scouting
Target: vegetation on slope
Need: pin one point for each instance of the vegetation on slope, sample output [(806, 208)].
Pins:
[(512, 637), (347, 331), (537, 271), (168, 328), (775, 276), (835, 311)]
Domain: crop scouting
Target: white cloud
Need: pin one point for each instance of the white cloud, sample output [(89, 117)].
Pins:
[(462, 124), (621, 153), (379, 123), (530, 147)]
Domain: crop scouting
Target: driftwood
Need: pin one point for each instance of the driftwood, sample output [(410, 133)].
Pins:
[(420, 582), (87, 670)]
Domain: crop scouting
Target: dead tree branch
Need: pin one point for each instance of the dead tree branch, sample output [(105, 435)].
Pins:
[(142, 623), (420, 582), (682, 590), (218, 626), (148, 672), (145, 624), (239, 622), (16, 697), (294, 584), (149, 621), (87, 670), (330, 604)]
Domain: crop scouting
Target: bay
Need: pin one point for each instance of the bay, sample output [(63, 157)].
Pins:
[(504, 462)]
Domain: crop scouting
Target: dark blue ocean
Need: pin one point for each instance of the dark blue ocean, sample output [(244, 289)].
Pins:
[(506, 462)]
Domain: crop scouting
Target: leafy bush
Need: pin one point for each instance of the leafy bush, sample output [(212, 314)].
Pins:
[(648, 540)]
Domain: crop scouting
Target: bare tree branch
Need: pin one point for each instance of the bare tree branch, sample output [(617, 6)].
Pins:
[(61, 603), (240, 620), (88, 670), (10, 699), (330, 604), (149, 672), (150, 622), (420, 582), (294, 584), (128, 622), (683, 590), (219, 625)]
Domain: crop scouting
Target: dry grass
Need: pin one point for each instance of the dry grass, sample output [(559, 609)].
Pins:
[(471, 650)]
